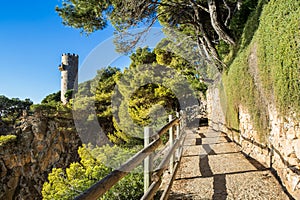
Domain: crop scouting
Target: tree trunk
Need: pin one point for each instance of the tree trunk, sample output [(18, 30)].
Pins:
[(217, 24), (210, 49), (206, 43)]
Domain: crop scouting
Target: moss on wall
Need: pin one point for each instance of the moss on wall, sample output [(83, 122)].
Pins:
[(266, 70), (279, 53)]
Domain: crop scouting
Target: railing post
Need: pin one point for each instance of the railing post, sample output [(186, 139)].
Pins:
[(177, 135), (171, 141), (182, 121), (148, 160)]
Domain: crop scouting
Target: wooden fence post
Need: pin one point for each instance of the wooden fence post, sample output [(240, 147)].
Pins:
[(177, 135), (148, 160), (171, 141)]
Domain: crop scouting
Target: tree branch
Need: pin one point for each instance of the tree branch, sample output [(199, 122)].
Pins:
[(203, 8), (216, 22), (127, 45), (229, 13)]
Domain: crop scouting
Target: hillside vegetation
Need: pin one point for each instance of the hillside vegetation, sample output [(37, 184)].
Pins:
[(266, 68), (123, 104)]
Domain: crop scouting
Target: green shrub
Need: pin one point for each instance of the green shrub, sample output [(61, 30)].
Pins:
[(95, 164), (279, 53), (4, 139), (54, 97)]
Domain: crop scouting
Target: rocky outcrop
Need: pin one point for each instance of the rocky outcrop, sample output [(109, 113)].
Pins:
[(42, 143), (279, 149), (5, 128)]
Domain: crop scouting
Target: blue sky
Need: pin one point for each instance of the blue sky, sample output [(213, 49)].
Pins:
[(32, 39)]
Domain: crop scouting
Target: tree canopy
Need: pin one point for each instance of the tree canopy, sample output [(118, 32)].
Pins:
[(11, 109), (122, 103), (207, 21), (52, 98)]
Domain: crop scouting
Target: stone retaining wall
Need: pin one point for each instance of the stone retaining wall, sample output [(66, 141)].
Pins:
[(280, 149)]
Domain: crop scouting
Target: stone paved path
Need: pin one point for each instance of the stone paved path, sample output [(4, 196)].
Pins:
[(213, 167)]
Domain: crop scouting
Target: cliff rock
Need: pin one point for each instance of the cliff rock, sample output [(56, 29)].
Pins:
[(42, 143)]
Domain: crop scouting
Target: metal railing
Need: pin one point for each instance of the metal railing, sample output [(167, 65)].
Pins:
[(152, 178)]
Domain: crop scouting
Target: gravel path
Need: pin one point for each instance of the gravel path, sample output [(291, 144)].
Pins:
[(213, 167)]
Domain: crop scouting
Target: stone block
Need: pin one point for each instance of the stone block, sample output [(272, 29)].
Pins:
[(293, 161), (295, 182), (296, 145), (291, 134), (288, 148), (297, 131)]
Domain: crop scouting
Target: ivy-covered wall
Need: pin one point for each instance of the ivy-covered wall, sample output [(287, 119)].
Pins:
[(267, 71), (258, 98)]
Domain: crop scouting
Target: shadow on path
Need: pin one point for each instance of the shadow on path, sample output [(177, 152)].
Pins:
[(198, 141), (219, 186), (204, 167), (219, 181)]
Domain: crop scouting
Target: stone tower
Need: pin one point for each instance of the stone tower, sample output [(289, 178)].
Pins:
[(69, 71)]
